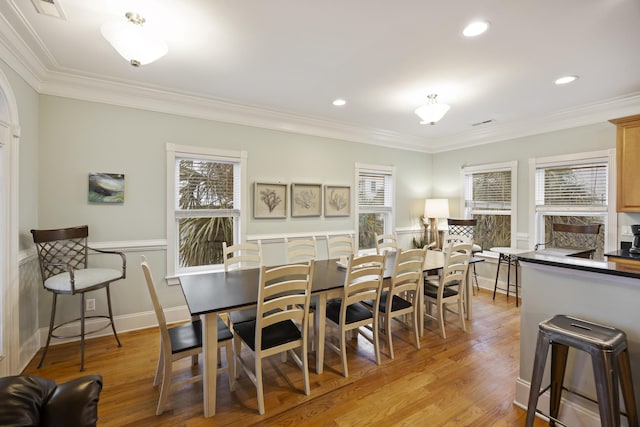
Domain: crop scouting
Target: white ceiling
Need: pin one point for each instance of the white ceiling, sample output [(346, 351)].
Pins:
[(280, 63)]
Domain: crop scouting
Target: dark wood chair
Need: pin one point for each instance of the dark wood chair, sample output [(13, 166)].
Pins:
[(582, 238), (63, 256)]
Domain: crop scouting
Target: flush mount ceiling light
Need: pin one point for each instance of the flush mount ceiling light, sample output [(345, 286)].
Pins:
[(431, 112), (132, 41), (339, 102), (566, 80), (475, 28)]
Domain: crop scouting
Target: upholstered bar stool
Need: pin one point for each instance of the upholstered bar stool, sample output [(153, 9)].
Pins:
[(610, 359)]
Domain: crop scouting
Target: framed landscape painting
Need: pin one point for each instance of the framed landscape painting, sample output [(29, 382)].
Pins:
[(337, 200), (106, 188), (306, 200), (270, 200)]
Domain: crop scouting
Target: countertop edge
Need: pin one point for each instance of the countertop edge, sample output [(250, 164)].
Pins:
[(581, 264)]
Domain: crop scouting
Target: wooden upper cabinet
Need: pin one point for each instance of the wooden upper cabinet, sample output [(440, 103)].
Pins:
[(628, 163)]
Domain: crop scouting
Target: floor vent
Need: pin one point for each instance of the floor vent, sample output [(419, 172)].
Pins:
[(49, 8)]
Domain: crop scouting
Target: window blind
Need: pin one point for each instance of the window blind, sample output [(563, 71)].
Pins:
[(204, 185), (488, 190), (577, 185), (374, 190)]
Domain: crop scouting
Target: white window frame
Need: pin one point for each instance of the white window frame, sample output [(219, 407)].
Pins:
[(536, 231), (494, 167), (390, 212), (181, 151)]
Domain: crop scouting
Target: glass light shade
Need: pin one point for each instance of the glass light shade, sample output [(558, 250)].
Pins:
[(432, 112), (133, 42), (436, 208)]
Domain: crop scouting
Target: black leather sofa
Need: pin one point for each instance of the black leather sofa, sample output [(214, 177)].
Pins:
[(27, 400)]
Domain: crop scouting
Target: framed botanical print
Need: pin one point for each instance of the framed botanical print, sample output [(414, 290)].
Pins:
[(337, 200), (269, 200), (306, 200)]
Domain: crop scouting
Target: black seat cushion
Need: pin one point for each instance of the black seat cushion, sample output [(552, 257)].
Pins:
[(355, 312), (272, 336), (398, 303), (241, 316), (189, 335), (432, 291)]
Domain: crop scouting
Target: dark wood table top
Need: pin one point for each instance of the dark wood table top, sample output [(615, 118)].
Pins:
[(219, 292)]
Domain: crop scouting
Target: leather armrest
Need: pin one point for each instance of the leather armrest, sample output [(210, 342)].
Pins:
[(74, 403), (21, 399)]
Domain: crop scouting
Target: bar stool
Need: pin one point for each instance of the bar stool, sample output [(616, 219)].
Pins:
[(610, 359)]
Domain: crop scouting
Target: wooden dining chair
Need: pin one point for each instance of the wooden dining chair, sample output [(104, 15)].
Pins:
[(386, 242), (338, 246), (281, 323), (300, 250), (363, 282), (449, 289), (63, 255), (241, 256), (179, 342), (403, 296)]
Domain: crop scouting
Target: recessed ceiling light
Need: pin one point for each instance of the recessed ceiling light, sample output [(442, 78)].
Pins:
[(475, 28), (566, 80), (339, 102)]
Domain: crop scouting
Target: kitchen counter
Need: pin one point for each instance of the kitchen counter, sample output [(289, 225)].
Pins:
[(600, 291), (584, 264), (623, 255)]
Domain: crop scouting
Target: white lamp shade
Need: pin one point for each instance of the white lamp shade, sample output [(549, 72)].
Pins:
[(133, 43), (431, 113), (436, 208)]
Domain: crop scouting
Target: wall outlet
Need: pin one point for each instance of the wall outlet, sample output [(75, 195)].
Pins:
[(90, 304)]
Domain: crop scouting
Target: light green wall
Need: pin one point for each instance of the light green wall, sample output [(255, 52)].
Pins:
[(79, 137), (447, 166)]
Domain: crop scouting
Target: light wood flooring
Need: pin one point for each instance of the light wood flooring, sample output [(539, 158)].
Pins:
[(466, 380)]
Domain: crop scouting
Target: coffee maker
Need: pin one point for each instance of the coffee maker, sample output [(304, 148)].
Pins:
[(635, 246)]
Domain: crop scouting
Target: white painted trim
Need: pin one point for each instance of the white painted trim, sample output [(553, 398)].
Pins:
[(571, 413), (131, 245), (126, 323)]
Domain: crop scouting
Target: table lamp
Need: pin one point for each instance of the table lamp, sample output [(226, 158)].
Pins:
[(434, 209)]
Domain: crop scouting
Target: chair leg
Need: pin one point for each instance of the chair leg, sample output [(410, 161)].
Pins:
[(165, 388), (160, 368), (376, 337), (461, 314), (387, 322), (237, 341), (113, 325), (416, 325), (343, 353), (82, 332), (259, 389), (228, 349), (305, 367), (628, 395), (441, 310), (52, 319)]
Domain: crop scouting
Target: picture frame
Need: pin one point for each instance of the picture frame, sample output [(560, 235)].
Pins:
[(306, 200), (337, 200), (269, 200), (106, 188)]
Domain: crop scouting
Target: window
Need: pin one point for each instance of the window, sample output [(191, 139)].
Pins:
[(489, 196), (375, 203), (572, 190), (205, 206)]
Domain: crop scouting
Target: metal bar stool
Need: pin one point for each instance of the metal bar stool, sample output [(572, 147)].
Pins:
[(610, 359)]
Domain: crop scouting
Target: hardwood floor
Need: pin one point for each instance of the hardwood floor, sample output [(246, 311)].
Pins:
[(467, 379)]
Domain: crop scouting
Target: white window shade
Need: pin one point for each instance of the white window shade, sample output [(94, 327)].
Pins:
[(374, 191), (488, 191), (577, 185)]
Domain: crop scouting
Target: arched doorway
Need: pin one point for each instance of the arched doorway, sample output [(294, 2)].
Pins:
[(9, 295)]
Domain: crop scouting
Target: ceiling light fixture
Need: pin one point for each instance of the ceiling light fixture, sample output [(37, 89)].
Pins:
[(132, 41), (566, 80), (339, 102), (431, 112), (475, 28)]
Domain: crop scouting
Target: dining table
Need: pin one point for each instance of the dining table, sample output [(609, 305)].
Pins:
[(212, 293)]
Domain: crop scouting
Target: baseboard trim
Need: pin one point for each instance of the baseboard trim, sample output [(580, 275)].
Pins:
[(572, 413), (126, 323)]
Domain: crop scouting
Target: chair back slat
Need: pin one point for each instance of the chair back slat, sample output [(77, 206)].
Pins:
[(242, 256), (386, 242), (300, 250), (60, 248), (338, 246)]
